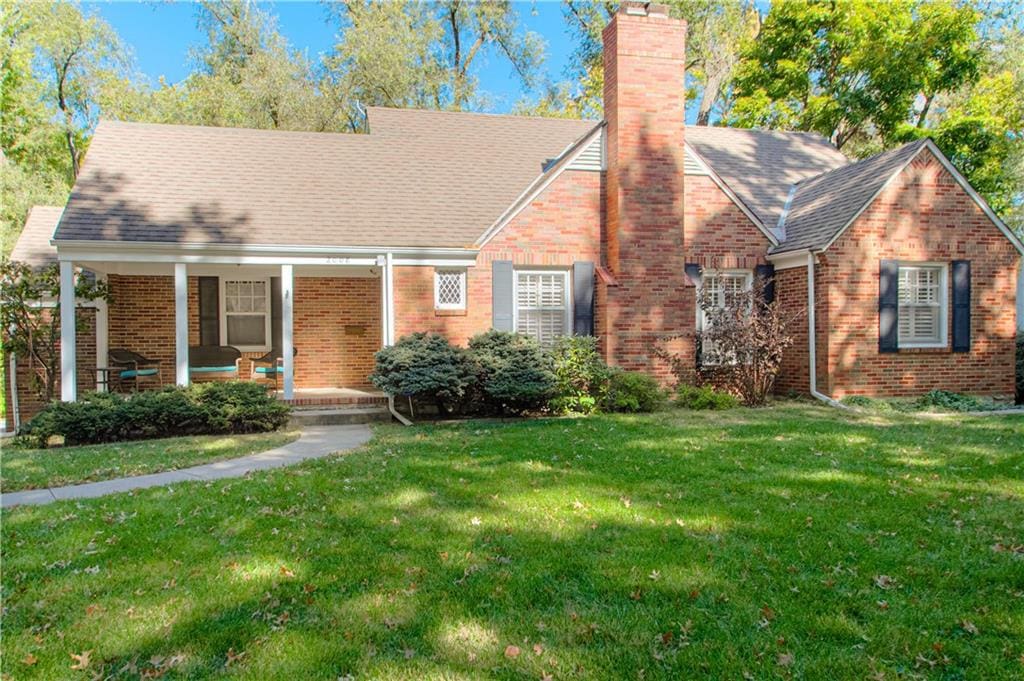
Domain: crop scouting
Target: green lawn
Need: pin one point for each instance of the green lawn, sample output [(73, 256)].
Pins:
[(36, 468), (794, 542)]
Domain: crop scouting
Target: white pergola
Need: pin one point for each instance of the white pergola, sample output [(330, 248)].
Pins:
[(181, 261)]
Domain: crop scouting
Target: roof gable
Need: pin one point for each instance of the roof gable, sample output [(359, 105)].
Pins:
[(33, 245), (823, 207)]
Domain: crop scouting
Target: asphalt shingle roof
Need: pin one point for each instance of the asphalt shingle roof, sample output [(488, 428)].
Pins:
[(760, 166), (33, 245), (822, 206), (420, 178)]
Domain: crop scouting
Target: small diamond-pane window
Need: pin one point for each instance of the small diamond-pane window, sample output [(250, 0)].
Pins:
[(450, 289)]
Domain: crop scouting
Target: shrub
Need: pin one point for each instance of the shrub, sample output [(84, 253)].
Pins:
[(949, 401), (859, 401), (633, 392), (581, 376), (704, 397), (513, 374), (208, 408), (424, 366)]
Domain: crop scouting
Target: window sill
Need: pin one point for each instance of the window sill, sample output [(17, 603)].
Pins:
[(923, 349), (449, 313)]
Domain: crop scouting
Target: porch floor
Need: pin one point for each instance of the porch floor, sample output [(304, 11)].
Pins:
[(322, 397)]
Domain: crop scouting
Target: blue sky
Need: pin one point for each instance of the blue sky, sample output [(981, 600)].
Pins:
[(161, 33)]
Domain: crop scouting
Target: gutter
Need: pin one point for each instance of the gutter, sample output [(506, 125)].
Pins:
[(15, 408), (812, 341)]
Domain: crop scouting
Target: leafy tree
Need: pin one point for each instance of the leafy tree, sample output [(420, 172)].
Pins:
[(852, 68), (408, 53), (32, 330)]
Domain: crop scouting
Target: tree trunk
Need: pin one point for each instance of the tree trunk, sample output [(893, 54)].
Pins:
[(69, 130)]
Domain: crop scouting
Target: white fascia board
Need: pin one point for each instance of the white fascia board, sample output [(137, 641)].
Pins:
[(539, 184), (789, 260), (961, 180), (732, 196), (91, 251)]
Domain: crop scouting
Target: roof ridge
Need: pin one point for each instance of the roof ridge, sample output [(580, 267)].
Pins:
[(113, 122), (490, 114)]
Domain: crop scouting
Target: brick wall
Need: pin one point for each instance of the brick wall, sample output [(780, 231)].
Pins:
[(337, 331), (29, 402), (644, 104), (924, 215), (561, 226), (336, 325), (717, 235)]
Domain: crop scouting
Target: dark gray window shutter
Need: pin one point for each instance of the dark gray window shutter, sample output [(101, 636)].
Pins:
[(583, 298), (888, 306), (961, 306), (765, 276), (275, 312), (209, 311), (501, 295), (693, 273)]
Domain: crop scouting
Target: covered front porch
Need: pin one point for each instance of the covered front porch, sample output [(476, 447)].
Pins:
[(323, 318)]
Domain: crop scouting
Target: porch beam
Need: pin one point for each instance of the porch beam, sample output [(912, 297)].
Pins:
[(68, 364), (287, 329), (181, 323)]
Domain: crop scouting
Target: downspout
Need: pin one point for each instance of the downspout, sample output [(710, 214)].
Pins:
[(394, 412), (812, 341), (15, 409)]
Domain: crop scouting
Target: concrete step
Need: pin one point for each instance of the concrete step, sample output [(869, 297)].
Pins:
[(339, 416)]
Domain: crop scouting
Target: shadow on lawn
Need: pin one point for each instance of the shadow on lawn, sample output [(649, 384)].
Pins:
[(608, 534)]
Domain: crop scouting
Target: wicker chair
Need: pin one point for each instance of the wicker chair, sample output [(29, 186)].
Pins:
[(270, 367), (213, 362), (131, 367)]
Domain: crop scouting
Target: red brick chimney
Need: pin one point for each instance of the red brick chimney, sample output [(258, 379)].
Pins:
[(644, 106)]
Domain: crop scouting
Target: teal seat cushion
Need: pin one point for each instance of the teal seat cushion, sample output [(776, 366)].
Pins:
[(135, 373), (267, 370), (212, 370)]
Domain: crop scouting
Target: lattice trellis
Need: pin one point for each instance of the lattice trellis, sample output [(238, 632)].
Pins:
[(450, 289)]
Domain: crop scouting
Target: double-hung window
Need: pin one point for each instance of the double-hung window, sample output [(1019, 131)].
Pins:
[(245, 321), (450, 289), (922, 306), (720, 289), (542, 305)]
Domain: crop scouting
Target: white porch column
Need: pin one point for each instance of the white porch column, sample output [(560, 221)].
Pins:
[(68, 363), (181, 323), (287, 321), (389, 298), (102, 336)]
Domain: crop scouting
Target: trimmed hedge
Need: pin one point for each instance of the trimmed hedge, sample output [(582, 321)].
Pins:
[(704, 397), (425, 366), (202, 409)]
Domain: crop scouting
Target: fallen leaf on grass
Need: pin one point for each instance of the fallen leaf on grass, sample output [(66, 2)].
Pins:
[(784, 659), (234, 657), (884, 582), (969, 627), (29, 660), (512, 652), (285, 571), (81, 660)]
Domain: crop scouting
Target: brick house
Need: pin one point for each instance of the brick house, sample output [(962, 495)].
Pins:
[(335, 244)]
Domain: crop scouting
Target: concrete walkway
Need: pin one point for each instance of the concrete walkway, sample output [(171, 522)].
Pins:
[(314, 443)]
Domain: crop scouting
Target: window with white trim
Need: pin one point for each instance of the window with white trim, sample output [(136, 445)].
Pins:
[(922, 306), (450, 289), (721, 289), (542, 305), (245, 316)]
